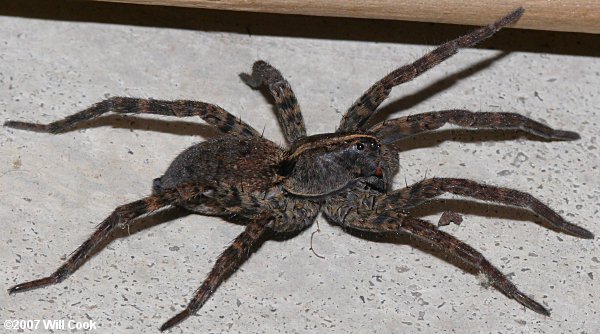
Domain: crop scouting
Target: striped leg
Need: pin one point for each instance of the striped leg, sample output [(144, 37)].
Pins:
[(430, 188), (120, 217), (123, 215), (288, 110), (360, 112), (447, 243), (233, 257), (399, 128), (212, 114), (394, 223)]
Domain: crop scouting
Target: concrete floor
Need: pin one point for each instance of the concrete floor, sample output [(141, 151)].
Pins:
[(55, 60)]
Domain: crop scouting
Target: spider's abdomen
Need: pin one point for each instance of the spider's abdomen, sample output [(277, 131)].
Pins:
[(247, 163)]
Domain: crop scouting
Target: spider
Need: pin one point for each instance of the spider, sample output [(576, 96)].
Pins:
[(346, 175)]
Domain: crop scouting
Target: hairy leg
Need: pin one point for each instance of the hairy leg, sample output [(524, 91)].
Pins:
[(360, 112), (425, 190), (288, 110), (428, 233), (229, 261), (393, 223), (120, 217), (399, 128), (212, 114), (124, 214)]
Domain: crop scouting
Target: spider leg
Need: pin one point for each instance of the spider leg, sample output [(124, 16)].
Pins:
[(212, 114), (122, 216), (360, 112), (399, 128), (425, 190), (288, 110), (428, 233), (393, 223), (227, 263)]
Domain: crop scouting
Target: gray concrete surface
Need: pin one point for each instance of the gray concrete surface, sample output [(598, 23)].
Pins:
[(55, 60)]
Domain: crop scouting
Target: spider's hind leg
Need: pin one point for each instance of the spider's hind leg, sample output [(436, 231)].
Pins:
[(125, 214), (120, 217), (350, 215), (212, 114), (239, 250), (288, 110), (447, 243)]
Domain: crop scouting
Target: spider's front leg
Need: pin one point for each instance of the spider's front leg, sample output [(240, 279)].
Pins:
[(366, 105), (395, 129), (428, 189), (356, 216), (288, 110), (212, 114)]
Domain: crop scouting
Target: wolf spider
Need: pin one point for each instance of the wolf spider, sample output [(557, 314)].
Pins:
[(346, 175)]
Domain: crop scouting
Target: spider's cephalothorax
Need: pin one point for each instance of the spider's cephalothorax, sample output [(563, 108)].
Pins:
[(321, 165), (346, 175)]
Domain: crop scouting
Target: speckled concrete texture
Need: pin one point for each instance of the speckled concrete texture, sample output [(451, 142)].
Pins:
[(58, 59)]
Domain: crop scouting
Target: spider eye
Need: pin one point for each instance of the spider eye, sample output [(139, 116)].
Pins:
[(360, 146)]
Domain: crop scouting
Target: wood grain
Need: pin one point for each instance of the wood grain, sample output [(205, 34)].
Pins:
[(557, 15)]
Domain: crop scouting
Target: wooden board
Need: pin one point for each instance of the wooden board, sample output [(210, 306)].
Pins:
[(557, 15)]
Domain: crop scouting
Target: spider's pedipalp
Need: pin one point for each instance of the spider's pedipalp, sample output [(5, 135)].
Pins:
[(427, 189), (360, 112), (400, 128), (212, 114), (288, 110)]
